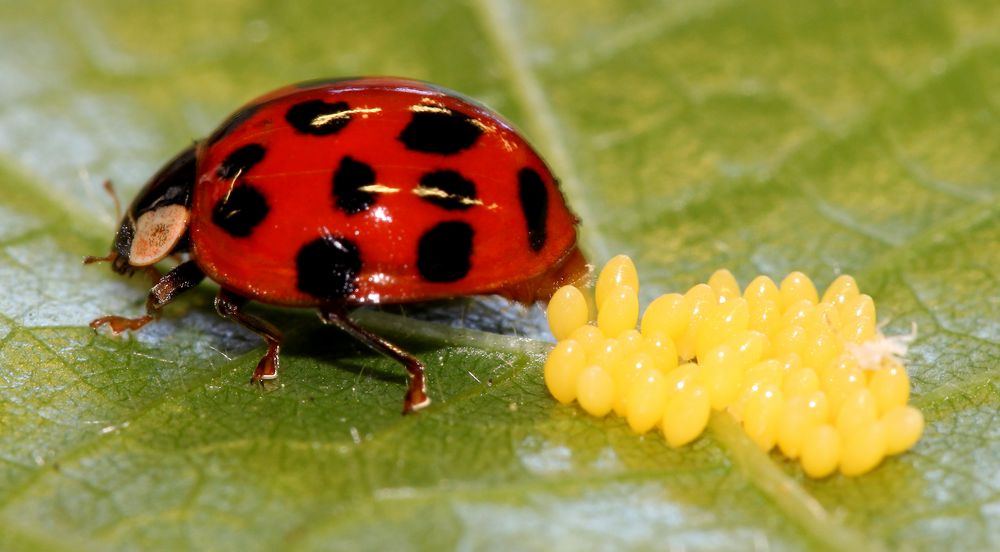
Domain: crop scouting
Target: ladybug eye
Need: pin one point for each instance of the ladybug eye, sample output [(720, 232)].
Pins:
[(157, 233)]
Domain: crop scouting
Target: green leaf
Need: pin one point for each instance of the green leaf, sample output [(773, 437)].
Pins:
[(764, 137)]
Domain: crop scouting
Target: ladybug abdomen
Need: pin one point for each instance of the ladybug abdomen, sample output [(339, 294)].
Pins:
[(373, 191)]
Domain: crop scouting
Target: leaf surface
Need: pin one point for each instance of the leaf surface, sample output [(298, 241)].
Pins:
[(764, 137)]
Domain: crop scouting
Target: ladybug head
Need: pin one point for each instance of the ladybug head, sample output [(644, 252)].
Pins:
[(155, 224)]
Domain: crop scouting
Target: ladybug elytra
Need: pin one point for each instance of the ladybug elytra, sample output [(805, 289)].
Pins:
[(342, 193)]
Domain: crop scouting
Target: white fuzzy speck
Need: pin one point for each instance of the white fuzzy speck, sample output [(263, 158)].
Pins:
[(872, 353)]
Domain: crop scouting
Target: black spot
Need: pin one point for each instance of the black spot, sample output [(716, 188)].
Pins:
[(318, 118), (328, 267), (232, 123), (349, 177), (241, 211), (448, 189), (534, 205), (446, 132), (240, 161), (444, 252)]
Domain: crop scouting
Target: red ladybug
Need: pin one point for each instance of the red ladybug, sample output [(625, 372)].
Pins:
[(342, 193)]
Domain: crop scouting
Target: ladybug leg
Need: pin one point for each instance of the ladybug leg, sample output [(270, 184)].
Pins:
[(182, 278), (230, 305), (416, 394)]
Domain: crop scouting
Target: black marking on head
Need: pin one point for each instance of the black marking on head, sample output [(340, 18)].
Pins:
[(349, 177), (441, 131), (171, 185), (318, 118), (448, 190), (444, 252), (534, 205), (328, 267), (232, 123), (241, 211), (240, 161)]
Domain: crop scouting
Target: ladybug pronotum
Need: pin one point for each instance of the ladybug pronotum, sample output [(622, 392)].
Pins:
[(341, 193)]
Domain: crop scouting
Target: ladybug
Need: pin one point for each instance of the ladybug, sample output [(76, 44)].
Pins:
[(342, 193)]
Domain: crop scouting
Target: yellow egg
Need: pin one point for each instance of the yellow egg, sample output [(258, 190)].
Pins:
[(756, 377), (794, 424), (647, 400), (802, 381), (762, 416), (700, 294), (790, 362), (822, 346), (595, 390), (567, 311), (858, 321), (903, 427), (818, 407), (618, 272), (700, 299), (856, 411), (841, 290), (796, 287), (562, 369), (739, 405), (846, 361), (721, 323), (789, 339), (589, 338), (765, 317), (750, 346), (668, 314), (724, 284), (619, 312), (765, 372), (824, 315), (662, 349), (607, 353), (820, 452), (631, 342), (684, 375), (686, 414), (626, 374), (842, 379), (890, 385), (761, 289), (722, 371), (796, 314), (861, 306), (863, 449)]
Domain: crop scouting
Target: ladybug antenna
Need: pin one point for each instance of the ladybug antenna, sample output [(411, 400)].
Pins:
[(110, 257), (110, 188)]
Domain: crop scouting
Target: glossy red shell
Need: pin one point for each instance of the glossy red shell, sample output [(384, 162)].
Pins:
[(295, 177)]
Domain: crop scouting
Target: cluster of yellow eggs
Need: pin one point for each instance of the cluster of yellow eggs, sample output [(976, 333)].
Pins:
[(813, 377)]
